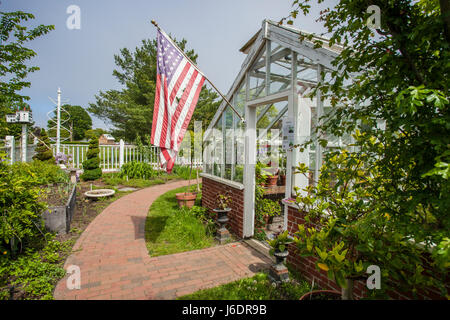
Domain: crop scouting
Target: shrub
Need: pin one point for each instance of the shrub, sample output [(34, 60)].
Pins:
[(44, 172), (138, 170), (43, 153), (183, 172), (19, 206), (91, 165)]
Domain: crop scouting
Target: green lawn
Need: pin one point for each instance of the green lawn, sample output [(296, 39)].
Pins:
[(169, 229), (113, 180), (257, 287)]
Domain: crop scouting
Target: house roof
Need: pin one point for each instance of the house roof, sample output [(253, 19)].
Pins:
[(284, 36), (247, 46), (108, 136)]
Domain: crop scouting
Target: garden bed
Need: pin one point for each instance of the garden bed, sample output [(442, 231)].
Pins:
[(61, 200), (257, 287)]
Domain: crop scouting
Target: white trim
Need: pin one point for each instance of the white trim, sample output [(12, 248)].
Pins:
[(229, 183), (273, 98)]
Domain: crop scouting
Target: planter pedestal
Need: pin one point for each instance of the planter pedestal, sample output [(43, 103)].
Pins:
[(222, 235), (278, 272)]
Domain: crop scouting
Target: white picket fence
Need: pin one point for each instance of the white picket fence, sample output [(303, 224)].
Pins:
[(112, 157)]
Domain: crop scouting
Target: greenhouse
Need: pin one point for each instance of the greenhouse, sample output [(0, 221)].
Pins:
[(272, 92)]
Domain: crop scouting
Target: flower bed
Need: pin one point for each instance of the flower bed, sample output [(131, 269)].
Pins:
[(61, 200)]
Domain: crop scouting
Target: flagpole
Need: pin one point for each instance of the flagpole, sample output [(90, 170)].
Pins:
[(212, 84)]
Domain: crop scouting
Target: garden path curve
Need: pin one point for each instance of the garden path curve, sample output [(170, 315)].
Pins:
[(115, 264)]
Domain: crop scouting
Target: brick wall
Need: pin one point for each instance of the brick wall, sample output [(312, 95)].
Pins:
[(210, 190), (306, 266)]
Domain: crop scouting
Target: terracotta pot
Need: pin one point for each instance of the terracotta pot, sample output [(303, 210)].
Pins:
[(186, 199), (272, 180), (309, 295), (283, 180)]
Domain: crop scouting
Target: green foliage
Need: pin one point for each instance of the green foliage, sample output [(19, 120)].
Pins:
[(43, 172), (257, 287), (34, 273), (260, 234), (170, 229), (91, 165), (138, 170), (130, 109), (14, 67), (239, 173), (400, 200), (94, 133), (77, 119), (207, 218), (263, 207), (183, 172), (19, 206), (43, 149), (356, 229), (280, 242)]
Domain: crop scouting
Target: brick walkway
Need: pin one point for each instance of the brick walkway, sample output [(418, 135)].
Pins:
[(115, 263)]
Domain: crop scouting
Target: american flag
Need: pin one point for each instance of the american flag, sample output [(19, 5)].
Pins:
[(178, 86)]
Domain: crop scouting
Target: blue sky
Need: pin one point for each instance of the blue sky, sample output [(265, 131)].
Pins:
[(81, 62)]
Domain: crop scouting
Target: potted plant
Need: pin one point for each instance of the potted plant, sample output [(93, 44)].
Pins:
[(271, 175), (223, 202), (269, 209), (187, 198), (279, 249)]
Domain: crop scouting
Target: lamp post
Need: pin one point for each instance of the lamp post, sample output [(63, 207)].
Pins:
[(58, 122)]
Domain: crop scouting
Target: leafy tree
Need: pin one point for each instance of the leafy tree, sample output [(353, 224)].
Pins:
[(399, 78), (91, 133), (91, 165), (78, 120), (43, 152), (14, 56), (130, 110)]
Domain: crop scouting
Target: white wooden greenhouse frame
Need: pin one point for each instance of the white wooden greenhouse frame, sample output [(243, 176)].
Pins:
[(274, 90)]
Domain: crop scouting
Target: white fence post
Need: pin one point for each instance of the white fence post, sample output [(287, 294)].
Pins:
[(10, 143), (121, 153)]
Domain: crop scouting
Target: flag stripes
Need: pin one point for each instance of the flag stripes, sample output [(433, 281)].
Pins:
[(178, 88)]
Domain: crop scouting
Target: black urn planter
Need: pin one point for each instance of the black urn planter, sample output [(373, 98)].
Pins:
[(280, 256), (222, 235), (278, 271)]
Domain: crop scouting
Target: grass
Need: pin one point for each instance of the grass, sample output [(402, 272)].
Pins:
[(257, 287), (113, 180), (169, 229)]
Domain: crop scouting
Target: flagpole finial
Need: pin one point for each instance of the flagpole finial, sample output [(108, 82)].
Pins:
[(155, 23)]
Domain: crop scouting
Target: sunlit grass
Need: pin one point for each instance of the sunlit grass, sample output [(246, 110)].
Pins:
[(170, 229)]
